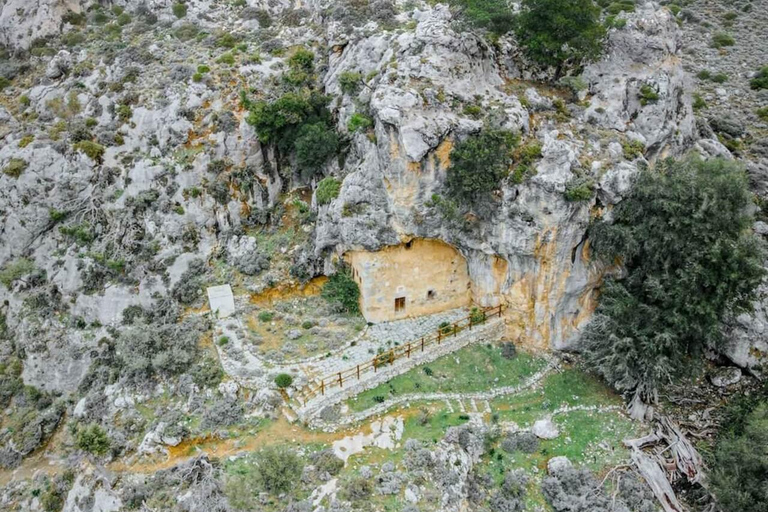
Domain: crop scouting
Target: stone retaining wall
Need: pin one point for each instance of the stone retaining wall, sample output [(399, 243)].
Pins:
[(491, 330)]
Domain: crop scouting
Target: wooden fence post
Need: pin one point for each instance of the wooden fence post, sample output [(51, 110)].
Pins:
[(358, 372), (341, 381), (439, 335), (409, 350), (322, 387), (422, 343), (455, 329), (499, 310)]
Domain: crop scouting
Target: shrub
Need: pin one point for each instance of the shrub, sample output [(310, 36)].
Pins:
[(720, 78), (698, 102), (579, 189), (350, 81), (359, 122), (327, 461), (762, 113), (15, 167), (508, 350), (266, 316), (283, 380), (525, 442), (226, 58), (223, 340), (358, 489), (179, 10), (124, 112), (91, 149), (187, 31), (93, 439), (223, 413), (123, 19), (315, 144), (197, 77), (740, 464), (327, 190), (342, 291), (555, 31), (760, 80), (685, 241), (632, 149), (479, 163), (15, 270), (704, 74), (279, 121), (721, 39), (495, 16), (278, 468), (647, 94)]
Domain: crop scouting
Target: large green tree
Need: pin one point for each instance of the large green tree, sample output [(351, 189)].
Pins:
[(553, 32), (689, 257)]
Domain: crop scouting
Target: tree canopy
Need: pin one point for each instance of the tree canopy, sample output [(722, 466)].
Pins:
[(689, 256), (479, 163), (555, 31)]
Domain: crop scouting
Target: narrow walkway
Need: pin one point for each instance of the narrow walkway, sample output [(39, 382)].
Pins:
[(381, 408)]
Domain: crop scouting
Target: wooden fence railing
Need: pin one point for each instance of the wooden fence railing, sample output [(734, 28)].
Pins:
[(477, 317)]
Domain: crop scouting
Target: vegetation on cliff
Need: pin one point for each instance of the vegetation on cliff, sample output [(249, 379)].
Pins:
[(690, 258)]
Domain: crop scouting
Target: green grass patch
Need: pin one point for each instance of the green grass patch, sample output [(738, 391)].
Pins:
[(473, 368)]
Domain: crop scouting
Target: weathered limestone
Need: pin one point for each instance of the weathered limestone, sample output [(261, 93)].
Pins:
[(221, 300), (420, 277)]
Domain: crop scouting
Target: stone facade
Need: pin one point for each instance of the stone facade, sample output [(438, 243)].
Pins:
[(419, 277)]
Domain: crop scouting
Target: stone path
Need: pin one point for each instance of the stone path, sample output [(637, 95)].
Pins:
[(490, 394)]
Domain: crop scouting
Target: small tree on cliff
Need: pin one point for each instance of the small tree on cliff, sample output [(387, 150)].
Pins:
[(684, 238), (553, 32)]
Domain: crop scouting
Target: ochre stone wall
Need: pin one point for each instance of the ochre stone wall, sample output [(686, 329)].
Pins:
[(430, 275)]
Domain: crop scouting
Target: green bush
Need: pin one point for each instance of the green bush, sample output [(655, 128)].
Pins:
[(15, 269), (359, 122), (647, 94), (479, 163), (740, 468), (342, 291), (266, 316), (15, 167), (762, 113), (760, 80), (179, 10), (223, 340), (721, 39), (555, 31), (685, 240), (618, 7), (327, 190), (579, 189), (226, 58), (698, 102), (495, 16), (315, 145), (124, 112), (93, 439), (283, 380), (704, 74), (632, 148), (123, 19), (350, 82), (720, 78), (187, 31), (278, 468), (92, 150), (279, 121)]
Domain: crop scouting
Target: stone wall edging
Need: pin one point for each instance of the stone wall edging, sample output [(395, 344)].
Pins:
[(491, 330)]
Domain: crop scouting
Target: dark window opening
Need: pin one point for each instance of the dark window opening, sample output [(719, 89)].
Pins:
[(431, 294), (399, 304), (409, 244)]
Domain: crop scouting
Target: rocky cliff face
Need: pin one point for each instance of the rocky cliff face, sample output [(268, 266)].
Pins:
[(181, 170), (530, 251)]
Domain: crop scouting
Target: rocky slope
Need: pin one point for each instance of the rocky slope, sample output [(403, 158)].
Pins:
[(131, 180)]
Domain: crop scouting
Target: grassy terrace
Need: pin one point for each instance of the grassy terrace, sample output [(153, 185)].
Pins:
[(473, 368)]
